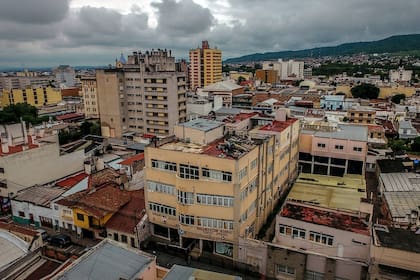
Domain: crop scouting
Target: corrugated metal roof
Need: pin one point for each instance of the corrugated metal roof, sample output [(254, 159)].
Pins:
[(40, 195), (399, 182), (400, 204)]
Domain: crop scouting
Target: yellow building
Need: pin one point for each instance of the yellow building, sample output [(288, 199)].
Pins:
[(90, 97), (205, 66), (204, 191), (37, 97), (384, 91), (235, 75)]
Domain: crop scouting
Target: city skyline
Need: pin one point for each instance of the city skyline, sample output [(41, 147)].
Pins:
[(95, 32)]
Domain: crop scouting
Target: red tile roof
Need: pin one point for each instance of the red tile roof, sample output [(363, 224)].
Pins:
[(70, 116), (325, 218), (126, 219), (18, 229), (133, 159), (71, 181), (278, 126)]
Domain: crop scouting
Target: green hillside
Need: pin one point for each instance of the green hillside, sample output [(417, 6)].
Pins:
[(393, 44)]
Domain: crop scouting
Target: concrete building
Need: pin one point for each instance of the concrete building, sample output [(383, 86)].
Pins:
[(333, 150), (286, 70), (20, 82), (65, 76), (332, 102), (235, 75), (90, 97), (224, 89), (406, 130), (361, 114), (205, 66), (37, 97), (268, 76), (145, 95), (400, 75), (206, 189), (26, 161)]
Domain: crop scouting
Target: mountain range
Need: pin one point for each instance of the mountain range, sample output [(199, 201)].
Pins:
[(393, 44)]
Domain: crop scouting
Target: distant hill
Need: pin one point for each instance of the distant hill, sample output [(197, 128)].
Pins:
[(393, 44)]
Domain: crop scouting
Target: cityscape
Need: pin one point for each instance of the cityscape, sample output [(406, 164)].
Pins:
[(172, 140)]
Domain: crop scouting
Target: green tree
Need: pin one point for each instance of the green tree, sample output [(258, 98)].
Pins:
[(240, 80), (398, 145), (397, 98), (415, 146), (365, 91), (14, 112)]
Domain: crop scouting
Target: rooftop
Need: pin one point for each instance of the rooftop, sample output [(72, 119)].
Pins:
[(108, 260), (40, 195), (70, 116), (278, 126), (70, 182), (178, 272), (126, 219), (401, 204), (325, 218), (18, 148), (400, 182), (202, 124), (397, 238), (222, 86), (391, 165), (133, 159), (9, 249), (344, 131), (329, 191)]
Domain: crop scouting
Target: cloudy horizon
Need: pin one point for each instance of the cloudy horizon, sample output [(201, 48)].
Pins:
[(94, 32)]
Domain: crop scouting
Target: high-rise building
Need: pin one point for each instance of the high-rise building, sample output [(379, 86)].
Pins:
[(65, 76), (144, 95), (205, 66), (90, 97), (219, 181)]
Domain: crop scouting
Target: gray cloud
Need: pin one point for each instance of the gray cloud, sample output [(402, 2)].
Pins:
[(183, 18), (30, 11), (91, 35)]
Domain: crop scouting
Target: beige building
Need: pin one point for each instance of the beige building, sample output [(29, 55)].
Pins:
[(90, 97), (205, 189), (205, 66), (37, 97), (361, 114), (145, 95)]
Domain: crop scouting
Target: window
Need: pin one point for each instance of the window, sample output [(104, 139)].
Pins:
[(243, 173), (55, 207), (281, 268), (188, 171), (313, 275), (225, 249), (186, 219), (216, 174), (164, 165), (339, 147), (254, 163), (215, 200), (215, 223), (321, 145), (185, 197), (357, 149), (163, 209), (1, 170), (123, 238), (115, 236), (21, 214), (160, 187), (321, 238), (80, 217)]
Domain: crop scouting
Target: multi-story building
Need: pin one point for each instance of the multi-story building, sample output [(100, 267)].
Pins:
[(333, 150), (37, 97), (65, 76), (205, 66), (145, 95), (400, 75), (287, 70), (208, 188), (267, 76), (90, 97), (17, 82), (361, 114)]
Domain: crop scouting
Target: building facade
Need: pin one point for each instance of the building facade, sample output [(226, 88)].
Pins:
[(90, 97), (146, 95), (37, 97), (205, 66)]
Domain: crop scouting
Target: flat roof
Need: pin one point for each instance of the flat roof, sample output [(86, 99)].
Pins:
[(347, 132), (390, 165), (325, 218), (400, 204), (108, 261), (9, 251), (400, 182), (329, 191), (397, 238), (278, 126), (202, 124), (179, 272)]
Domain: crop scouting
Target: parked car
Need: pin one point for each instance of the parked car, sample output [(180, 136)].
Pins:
[(60, 240)]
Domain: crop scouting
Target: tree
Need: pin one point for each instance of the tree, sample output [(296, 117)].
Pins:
[(398, 145), (14, 112), (240, 80), (365, 91), (415, 146), (397, 98)]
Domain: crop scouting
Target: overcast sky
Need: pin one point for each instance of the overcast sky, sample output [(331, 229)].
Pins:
[(94, 32)]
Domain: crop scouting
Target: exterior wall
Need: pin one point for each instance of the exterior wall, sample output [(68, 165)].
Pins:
[(267, 76), (357, 116), (384, 92), (235, 75), (205, 67), (28, 209), (195, 69), (395, 258), (354, 246), (86, 224), (36, 97), (149, 272), (38, 166), (198, 136), (90, 97)]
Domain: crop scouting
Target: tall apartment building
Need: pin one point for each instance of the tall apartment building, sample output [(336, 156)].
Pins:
[(400, 75), (65, 76), (145, 95), (209, 187), (205, 66), (90, 97), (287, 70), (37, 97), (18, 81)]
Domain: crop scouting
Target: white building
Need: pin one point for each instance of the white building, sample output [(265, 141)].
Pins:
[(400, 75), (286, 70), (65, 76)]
